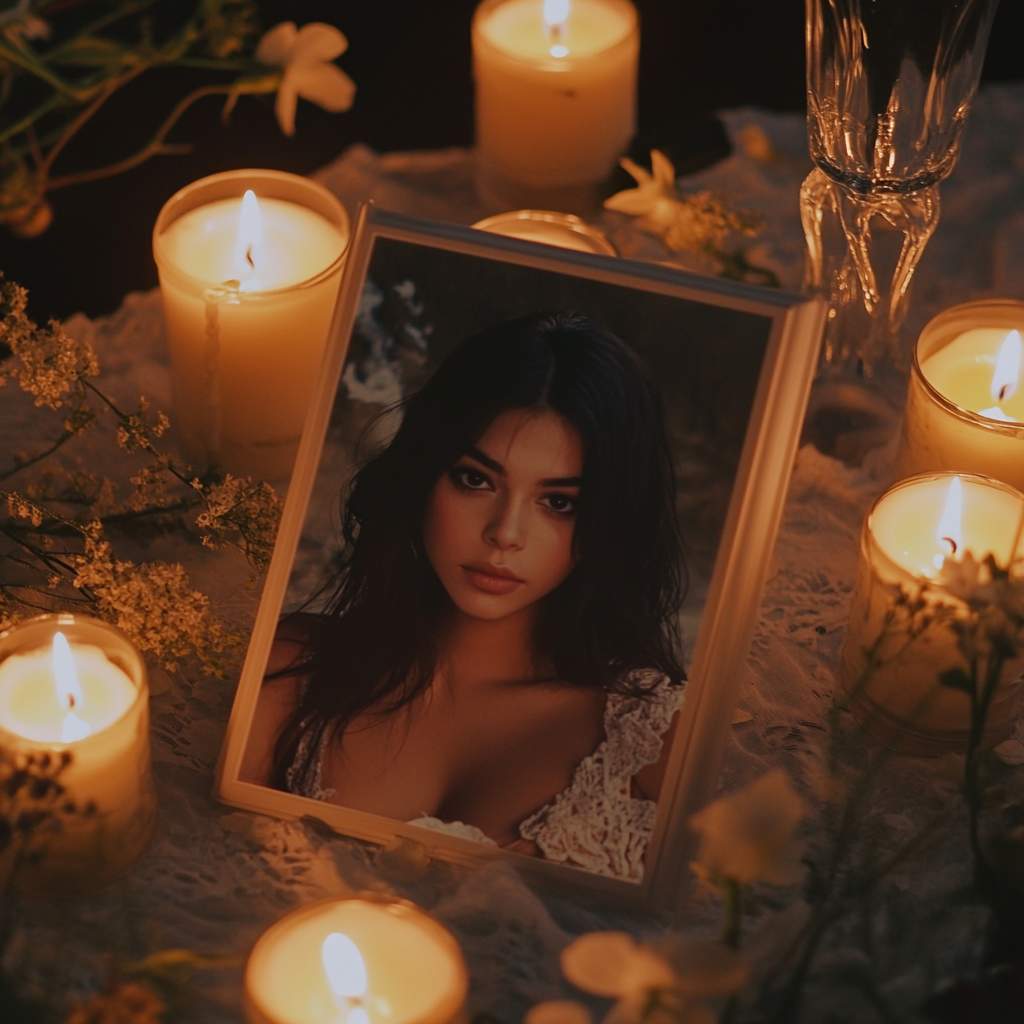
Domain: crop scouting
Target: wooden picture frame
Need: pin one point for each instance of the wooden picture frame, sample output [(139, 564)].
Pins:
[(744, 356)]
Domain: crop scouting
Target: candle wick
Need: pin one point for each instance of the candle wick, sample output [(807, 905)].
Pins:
[(248, 257), (71, 702), (1002, 392), (951, 543)]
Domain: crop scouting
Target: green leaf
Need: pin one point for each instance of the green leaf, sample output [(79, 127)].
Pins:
[(957, 679)]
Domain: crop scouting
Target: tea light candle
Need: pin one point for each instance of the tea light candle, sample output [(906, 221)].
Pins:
[(366, 960), (562, 229), (909, 533), (965, 403), (250, 263), (74, 686), (555, 94)]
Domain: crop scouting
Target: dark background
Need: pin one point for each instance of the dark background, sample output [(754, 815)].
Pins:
[(411, 62)]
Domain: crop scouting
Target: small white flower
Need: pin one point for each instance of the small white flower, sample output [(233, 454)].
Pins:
[(749, 834), (306, 55), (655, 197), (647, 988)]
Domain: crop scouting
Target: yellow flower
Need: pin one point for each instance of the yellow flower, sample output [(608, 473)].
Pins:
[(748, 835), (306, 55)]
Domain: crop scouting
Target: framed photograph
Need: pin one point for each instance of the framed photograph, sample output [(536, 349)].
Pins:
[(521, 556)]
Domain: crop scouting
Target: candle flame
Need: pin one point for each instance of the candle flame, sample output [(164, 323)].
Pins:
[(69, 690), (950, 533), (250, 236), (1006, 378), (345, 969), (556, 14)]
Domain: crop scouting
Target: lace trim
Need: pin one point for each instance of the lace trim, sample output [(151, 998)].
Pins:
[(453, 828), (595, 823), (304, 776)]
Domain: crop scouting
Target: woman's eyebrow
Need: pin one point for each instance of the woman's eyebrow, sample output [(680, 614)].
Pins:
[(562, 481), (485, 460)]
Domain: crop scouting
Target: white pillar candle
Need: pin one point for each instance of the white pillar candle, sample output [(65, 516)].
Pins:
[(555, 95), (72, 686), (561, 229), (965, 405), (248, 304), (366, 960), (908, 534)]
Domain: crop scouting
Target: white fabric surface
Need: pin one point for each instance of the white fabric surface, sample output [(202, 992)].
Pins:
[(215, 878)]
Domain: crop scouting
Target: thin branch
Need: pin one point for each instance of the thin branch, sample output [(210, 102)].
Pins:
[(154, 147), (64, 438), (69, 133)]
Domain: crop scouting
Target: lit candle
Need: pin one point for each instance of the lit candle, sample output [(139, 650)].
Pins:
[(366, 960), (562, 229), (907, 538), (250, 263), (555, 97), (965, 403), (71, 685)]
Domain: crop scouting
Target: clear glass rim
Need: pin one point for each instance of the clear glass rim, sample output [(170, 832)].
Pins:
[(567, 220), (941, 331), (223, 186), (41, 624), (870, 547)]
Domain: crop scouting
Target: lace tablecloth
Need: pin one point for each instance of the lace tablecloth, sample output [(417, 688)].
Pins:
[(215, 878)]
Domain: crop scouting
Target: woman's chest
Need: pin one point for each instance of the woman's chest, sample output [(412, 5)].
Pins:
[(489, 757)]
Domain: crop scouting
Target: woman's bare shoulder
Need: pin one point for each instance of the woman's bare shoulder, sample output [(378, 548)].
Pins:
[(280, 696)]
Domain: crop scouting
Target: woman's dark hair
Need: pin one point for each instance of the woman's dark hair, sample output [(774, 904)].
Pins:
[(614, 613)]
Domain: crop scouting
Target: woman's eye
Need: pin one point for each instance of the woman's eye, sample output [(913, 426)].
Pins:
[(560, 503), (470, 479)]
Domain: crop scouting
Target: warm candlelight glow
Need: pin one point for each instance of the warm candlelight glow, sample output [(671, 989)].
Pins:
[(556, 14), (1005, 377), (891, 663), (344, 967), (356, 961), (555, 98), (950, 533), (249, 251), (69, 692), (73, 689)]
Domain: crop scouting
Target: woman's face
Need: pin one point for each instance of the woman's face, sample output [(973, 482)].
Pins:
[(499, 524)]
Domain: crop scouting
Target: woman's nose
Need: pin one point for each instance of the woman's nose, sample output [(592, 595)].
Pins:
[(505, 530)]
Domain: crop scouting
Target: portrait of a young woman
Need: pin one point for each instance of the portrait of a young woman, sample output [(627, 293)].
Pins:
[(498, 656)]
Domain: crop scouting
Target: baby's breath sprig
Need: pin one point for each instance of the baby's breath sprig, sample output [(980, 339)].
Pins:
[(56, 523)]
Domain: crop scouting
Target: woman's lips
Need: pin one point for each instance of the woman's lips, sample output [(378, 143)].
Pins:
[(492, 579)]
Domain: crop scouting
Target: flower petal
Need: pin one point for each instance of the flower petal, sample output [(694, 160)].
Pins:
[(277, 45), (558, 1011), (597, 962), (319, 41), (639, 174), (287, 100), (612, 964), (634, 201), (664, 172), (748, 834), (324, 84)]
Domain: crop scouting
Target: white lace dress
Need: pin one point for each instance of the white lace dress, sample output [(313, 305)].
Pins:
[(595, 823)]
